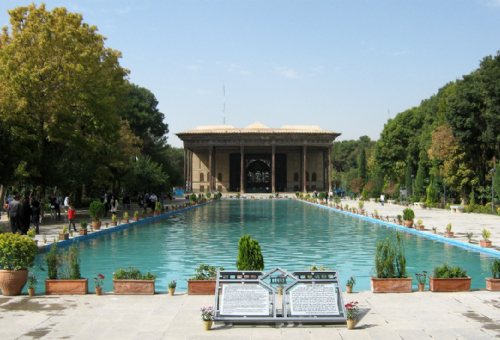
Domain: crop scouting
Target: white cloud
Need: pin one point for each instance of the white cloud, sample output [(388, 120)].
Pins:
[(492, 3), (288, 72)]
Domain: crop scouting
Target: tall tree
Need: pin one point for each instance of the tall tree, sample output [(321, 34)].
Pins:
[(59, 88)]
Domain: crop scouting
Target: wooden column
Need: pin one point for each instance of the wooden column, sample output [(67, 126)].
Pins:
[(242, 169), (329, 168), (185, 170), (210, 165), (304, 168), (273, 169)]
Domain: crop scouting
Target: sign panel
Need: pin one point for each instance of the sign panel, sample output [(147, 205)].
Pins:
[(244, 299), (317, 299)]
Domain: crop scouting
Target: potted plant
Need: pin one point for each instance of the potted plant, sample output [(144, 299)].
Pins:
[(114, 220), (485, 242), (64, 273), (408, 216), (249, 254), (136, 216), (203, 282), (132, 281), (493, 282), (207, 315), (420, 226), (64, 235), (448, 232), (469, 236), (421, 279), (171, 287), (390, 266), (32, 281), (17, 254), (400, 219), (98, 282), (125, 217), (350, 283), (96, 211), (352, 312), (449, 279), (83, 229)]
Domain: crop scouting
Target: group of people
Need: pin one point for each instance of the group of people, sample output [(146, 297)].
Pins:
[(23, 212)]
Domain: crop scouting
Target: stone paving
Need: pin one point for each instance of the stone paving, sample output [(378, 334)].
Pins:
[(462, 223), (471, 315)]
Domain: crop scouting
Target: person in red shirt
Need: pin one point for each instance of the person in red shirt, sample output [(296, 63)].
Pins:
[(71, 217)]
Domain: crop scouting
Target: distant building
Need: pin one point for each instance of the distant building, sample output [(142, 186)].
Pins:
[(288, 159)]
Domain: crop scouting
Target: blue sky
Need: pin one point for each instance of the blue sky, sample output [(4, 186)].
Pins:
[(346, 66)]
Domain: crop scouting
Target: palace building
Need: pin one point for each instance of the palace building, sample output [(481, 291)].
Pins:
[(257, 159)]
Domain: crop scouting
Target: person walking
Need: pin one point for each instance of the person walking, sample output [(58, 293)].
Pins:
[(35, 214), (14, 213), (113, 205)]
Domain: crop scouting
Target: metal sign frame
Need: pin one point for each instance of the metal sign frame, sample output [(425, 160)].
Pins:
[(286, 281)]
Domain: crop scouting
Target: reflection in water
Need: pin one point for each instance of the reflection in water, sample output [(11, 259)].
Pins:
[(293, 236)]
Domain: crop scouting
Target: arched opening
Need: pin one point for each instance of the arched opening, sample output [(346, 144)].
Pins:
[(258, 176), (202, 177)]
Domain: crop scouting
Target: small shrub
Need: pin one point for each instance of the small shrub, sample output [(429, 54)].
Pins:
[(447, 272), (486, 234), (408, 214), (390, 260), (249, 254), (495, 269), (52, 261), (448, 228), (16, 251), (132, 273), (351, 282), (206, 272), (96, 210)]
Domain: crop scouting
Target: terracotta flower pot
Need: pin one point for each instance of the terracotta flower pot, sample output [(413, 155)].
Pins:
[(201, 287), (485, 243), (408, 223), (98, 290), (63, 237), (12, 281), (351, 323), (31, 292), (134, 287), (171, 291), (207, 324), (391, 285), (82, 232), (96, 225), (421, 287), (66, 287), (449, 234), (348, 289), (450, 285), (492, 284)]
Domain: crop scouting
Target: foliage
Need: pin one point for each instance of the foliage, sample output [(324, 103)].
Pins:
[(249, 254), (207, 313), (96, 210), (99, 280), (32, 281), (447, 272), (486, 234), (83, 226), (52, 261), (172, 284), (351, 282), (125, 216), (469, 236), (408, 214), (390, 260), (31, 232), (206, 272), (448, 227), (421, 277), (495, 269), (16, 251), (69, 264), (132, 273), (352, 310)]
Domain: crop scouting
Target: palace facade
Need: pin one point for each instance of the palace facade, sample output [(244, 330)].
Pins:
[(257, 158)]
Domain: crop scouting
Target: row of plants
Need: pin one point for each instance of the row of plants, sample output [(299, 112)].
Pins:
[(391, 275)]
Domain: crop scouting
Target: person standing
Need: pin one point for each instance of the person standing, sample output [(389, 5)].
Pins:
[(66, 203), (25, 215), (382, 199), (35, 214), (13, 210), (113, 205), (71, 217)]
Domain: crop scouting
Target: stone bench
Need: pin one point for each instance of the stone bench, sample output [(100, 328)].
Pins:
[(456, 208)]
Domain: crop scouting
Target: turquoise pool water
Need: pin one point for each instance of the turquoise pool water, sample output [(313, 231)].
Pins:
[(293, 236)]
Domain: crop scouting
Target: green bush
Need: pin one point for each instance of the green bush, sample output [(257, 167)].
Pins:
[(495, 269), (16, 251), (390, 260), (447, 272), (96, 210), (249, 254), (132, 273), (408, 214), (52, 261), (193, 198), (206, 272)]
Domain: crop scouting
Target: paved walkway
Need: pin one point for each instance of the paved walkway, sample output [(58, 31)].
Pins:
[(472, 315), (462, 223)]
